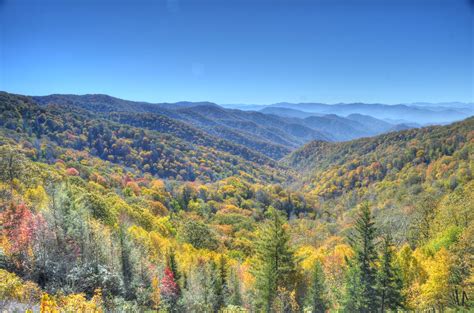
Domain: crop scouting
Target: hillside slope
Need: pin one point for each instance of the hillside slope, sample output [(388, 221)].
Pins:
[(396, 172), (109, 211), (173, 150), (269, 135)]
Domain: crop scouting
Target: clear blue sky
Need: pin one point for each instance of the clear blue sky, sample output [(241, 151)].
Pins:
[(231, 51)]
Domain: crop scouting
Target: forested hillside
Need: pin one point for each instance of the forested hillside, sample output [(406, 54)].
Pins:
[(173, 151), (274, 135), (115, 210)]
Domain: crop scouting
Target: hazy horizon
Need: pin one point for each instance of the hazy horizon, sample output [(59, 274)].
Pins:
[(228, 104)]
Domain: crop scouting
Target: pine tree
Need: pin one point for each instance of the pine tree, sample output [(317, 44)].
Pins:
[(173, 266), (126, 260), (315, 298), (361, 294), (353, 294), (275, 264), (389, 282), (220, 283), (200, 293), (213, 285), (234, 297)]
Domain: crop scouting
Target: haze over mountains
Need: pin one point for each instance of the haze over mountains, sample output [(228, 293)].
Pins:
[(274, 130), (416, 113)]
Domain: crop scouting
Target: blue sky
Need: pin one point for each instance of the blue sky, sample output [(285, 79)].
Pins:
[(232, 51)]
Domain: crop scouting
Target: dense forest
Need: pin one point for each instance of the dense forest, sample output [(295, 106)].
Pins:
[(130, 210)]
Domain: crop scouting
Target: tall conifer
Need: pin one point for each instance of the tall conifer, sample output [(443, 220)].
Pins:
[(315, 298), (275, 264), (389, 282), (361, 293)]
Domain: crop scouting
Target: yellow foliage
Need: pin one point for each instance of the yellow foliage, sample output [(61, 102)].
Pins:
[(48, 304), (309, 255), (435, 292), (5, 244), (12, 288), (285, 301), (152, 242), (413, 274), (234, 309), (72, 303), (156, 292), (247, 279), (188, 256), (158, 184), (36, 197), (232, 209)]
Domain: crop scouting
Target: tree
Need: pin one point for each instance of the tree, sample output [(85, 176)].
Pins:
[(18, 228), (316, 296), (200, 293), (462, 273), (169, 290), (173, 266), (389, 282), (126, 262), (220, 283), (198, 234), (275, 264), (235, 296), (361, 293), (436, 290), (13, 165), (424, 215)]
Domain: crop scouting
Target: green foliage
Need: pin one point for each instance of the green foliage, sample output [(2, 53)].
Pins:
[(158, 215), (444, 239), (389, 280), (361, 293), (316, 294), (197, 234), (275, 265), (161, 154)]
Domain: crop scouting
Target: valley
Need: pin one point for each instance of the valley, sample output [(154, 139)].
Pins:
[(122, 206)]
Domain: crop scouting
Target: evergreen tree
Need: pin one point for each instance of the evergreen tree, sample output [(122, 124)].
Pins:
[(220, 283), (361, 294), (200, 292), (214, 286), (275, 264), (235, 296), (353, 301), (389, 282), (127, 268), (173, 266), (315, 298)]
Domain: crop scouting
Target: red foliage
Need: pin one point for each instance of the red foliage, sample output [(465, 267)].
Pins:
[(169, 287), (18, 226), (72, 172)]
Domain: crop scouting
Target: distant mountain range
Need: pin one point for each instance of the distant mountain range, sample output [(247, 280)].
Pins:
[(273, 131), (411, 114)]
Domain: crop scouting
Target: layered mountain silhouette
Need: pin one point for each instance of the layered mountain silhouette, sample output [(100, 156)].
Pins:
[(273, 131)]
